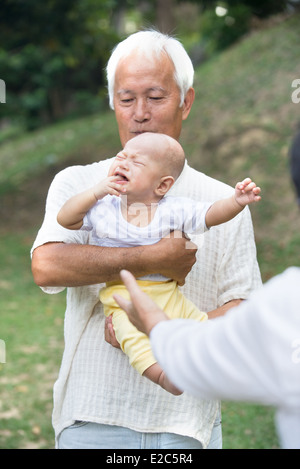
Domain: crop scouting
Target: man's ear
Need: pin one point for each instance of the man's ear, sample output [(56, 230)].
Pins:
[(164, 186), (188, 102)]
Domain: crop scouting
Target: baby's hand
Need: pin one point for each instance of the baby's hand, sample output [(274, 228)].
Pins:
[(108, 186), (246, 192)]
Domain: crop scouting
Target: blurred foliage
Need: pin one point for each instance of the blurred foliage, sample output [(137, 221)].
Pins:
[(259, 8), (219, 32), (53, 53)]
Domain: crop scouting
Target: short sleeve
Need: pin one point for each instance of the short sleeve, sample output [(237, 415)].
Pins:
[(190, 215), (62, 188), (87, 222)]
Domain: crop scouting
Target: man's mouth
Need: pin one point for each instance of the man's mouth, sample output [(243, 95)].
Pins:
[(139, 132)]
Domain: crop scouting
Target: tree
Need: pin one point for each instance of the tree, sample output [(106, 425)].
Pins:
[(52, 56), (165, 15), (259, 8)]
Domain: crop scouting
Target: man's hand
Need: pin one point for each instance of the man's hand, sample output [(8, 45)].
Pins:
[(177, 257), (141, 310)]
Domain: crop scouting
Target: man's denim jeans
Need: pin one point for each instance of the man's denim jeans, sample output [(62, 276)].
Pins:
[(88, 435)]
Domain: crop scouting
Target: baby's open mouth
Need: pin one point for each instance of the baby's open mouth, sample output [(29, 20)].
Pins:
[(121, 177)]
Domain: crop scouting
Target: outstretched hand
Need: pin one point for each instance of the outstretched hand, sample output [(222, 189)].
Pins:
[(246, 192), (141, 310)]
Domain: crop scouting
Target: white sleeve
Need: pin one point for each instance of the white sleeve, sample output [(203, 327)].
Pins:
[(191, 215), (246, 355), (64, 185)]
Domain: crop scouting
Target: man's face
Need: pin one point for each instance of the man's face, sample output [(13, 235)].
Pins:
[(147, 98)]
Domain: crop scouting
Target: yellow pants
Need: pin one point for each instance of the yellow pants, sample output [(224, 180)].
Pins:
[(134, 343)]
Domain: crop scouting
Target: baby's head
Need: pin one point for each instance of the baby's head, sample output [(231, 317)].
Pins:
[(164, 151), (149, 162)]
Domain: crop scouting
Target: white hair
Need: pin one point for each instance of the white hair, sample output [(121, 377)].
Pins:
[(152, 42)]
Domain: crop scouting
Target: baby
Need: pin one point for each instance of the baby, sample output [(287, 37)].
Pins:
[(130, 208)]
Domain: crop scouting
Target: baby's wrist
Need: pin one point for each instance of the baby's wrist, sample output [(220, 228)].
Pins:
[(237, 203), (97, 194)]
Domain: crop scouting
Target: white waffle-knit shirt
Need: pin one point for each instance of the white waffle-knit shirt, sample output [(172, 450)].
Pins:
[(96, 382)]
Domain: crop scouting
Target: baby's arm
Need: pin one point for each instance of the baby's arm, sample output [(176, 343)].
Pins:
[(246, 192), (156, 374), (72, 213)]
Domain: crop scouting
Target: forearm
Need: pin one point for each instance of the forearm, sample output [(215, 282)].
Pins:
[(222, 310), (222, 211), (71, 265), (72, 213)]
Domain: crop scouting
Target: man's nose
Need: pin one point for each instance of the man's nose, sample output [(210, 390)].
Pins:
[(141, 111)]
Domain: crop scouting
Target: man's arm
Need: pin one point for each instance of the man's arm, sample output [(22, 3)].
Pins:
[(71, 265), (222, 310)]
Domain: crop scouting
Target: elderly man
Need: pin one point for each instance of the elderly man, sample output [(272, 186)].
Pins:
[(99, 400)]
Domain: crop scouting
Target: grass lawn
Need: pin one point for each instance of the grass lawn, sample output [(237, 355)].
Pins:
[(32, 327)]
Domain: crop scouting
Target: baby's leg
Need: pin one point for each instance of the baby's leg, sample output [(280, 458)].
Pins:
[(156, 374), (137, 347)]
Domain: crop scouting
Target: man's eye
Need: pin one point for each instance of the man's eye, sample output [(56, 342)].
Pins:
[(155, 98), (126, 101)]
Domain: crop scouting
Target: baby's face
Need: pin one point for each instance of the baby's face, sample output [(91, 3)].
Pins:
[(138, 169)]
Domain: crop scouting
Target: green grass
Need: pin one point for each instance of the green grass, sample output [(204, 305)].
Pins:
[(31, 153), (241, 124), (248, 426), (32, 328)]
